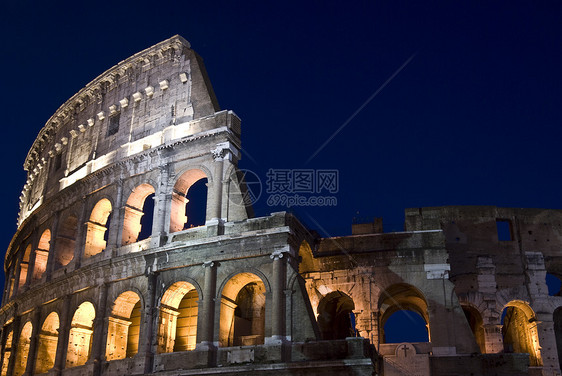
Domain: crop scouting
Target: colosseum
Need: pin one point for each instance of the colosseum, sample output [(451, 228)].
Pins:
[(137, 252)]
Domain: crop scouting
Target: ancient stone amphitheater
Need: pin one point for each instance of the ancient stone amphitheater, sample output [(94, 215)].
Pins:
[(137, 253)]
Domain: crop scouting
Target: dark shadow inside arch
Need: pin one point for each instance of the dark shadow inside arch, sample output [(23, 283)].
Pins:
[(196, 207), (106, 232), (248, 327), (335, 316), (147, 218)]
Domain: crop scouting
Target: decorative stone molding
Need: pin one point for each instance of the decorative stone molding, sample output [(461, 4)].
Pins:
[(90, 122), (224, 150), (73, 133), (276, 255), (124, 102), (183, 77), (137, 96), (101, 115), (112, 109), (149, 91), (164, 85), (81, 128)]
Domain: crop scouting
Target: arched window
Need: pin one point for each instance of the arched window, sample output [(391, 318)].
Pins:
[(66, 241), (519, 330), (24, 265), (553, 283), (80, 335), (7, 353), (124, 325), (42, 254), (242, 311), (476, 325), (47, 345), (177, 329), (335, 316), (403, 315), (23, 349), (97, 226), (137, 224), (188, 211)]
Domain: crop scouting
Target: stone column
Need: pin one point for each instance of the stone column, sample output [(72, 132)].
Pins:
[(15, 341), (17, 272), (116, 226), (31, 265), (100, 333), (81, 233), (277, 299), (64, 331), (9, 283), (147, 330), (206, 317), (547, 342), (32, 354), (219, 154), (52, 247), (161, 217), (493, 338), (5, 348)]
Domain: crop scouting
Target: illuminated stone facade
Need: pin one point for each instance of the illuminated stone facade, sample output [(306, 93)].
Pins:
[(113, 272)]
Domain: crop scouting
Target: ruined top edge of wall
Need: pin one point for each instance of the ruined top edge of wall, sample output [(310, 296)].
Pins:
[(173, 46), (436, 217)]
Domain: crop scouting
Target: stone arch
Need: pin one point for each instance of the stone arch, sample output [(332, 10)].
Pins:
[(519, 330), (476, 323), (7, 353), (306, 262), (124, 326), (66, 241), (42, 254), (335, 319), (80, 335), (47, 343), (134, 212), (180, 201), (24, 265), (242, 310), (22, 350), (177, 328), (97, 226), (407, 299)]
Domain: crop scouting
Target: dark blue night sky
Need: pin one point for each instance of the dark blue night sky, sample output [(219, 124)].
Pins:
[(474, 117)]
